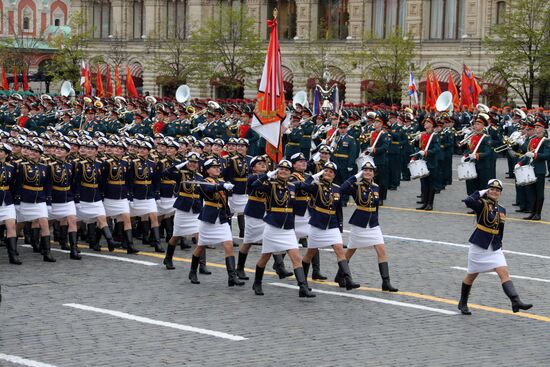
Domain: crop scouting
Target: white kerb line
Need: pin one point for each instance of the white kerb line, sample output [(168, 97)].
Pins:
[(511, 276), (23, 361), (110, 257), (372, 299), (146, 320)]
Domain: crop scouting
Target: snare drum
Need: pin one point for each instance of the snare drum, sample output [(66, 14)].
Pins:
[(525, 175), (466, 171), (418, 169)]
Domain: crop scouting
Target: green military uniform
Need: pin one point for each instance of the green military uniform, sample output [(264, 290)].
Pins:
[(293, 142), (344, 155), (305, 144), (253, 142), (397, 137)]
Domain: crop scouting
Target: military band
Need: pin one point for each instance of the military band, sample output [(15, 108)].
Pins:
[(151, 170)]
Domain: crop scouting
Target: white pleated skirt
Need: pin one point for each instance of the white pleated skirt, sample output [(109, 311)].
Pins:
[(481, 260), (365, 237), (61, 210), (165, 206), (214, 234), (31, 211), (89, 211), (301, 225), (253, 230), (185, 223), (7, 212), (116, 207), (278, 239), (237, 203), (320, 238), (142, 207)]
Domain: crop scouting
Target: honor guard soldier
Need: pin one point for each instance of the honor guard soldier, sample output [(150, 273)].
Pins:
[(293, 137), (140, 127), (429, 147), (448, 143), (306, 124), (397, 137), (377, 148), (407, 149), (345, 153), (480, 152), (495, 135), (485, 252), (538, 151)]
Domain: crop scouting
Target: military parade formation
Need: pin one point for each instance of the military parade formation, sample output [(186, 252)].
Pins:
[(177, 173)]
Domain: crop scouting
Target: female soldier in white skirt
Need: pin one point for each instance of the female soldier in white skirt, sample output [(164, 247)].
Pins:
[(7, 209), (116, 176), (144, 179), (214, 222), (167, 187), (188, 204), (279, 235), (485, 252), (88, 196), (62, 206), (365, 231), (32, 189), (326, 220)]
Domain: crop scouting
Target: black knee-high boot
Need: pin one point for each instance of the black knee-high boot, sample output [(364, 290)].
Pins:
[(302, 283), (168, 258), (130, 249), (109, 237), (11, 244), (57, 232), (169, 226), (343, 266), (240, 222), (74, 246), (156, 239), (463, 303), (258, 276), (35, 240), (316, 268), (193, 271), (118, 234), (202, 264), (62, 237), (93, 242), (279, 267), (339, 278), (232, 279), (27, 232), (46, 249), (145, 228), (511, 292), (385, 274), (240, 266)]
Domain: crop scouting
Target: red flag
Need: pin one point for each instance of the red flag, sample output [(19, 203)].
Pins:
[(130, 87), (5, 84), (436, 89), (118, 84), (99, 83), (476, 90), (15, 82), (454, 91), (88, 81), (109, 86), (430, 102), (269, 111), (25, 80), (465, 88)]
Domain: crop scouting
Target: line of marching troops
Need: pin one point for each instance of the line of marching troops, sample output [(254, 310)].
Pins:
[(86, 179)]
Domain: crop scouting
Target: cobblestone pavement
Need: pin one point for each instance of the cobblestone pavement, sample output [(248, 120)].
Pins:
[(418, 327)]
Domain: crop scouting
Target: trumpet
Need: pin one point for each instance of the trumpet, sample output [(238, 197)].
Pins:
[(412, 137), (199, 127), (516, 138), (126, 127), (364, 137), (466, 139)]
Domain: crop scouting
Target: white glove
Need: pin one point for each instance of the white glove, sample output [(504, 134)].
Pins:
[(350, 169), (202, 127), (483, 192), (317, 176), (272, 174), (462, 159), (530, 155), (228, 186), (517, 166), (359, 175), (370, 149), (422, 153), (181, 165), (472, 157)]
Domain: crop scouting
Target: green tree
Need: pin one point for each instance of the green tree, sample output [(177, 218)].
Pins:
[(227, 48), (521, 45), (387, 62), (70, 51)]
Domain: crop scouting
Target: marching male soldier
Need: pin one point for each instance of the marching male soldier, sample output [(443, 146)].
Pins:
[(345, 153), (397, 136), (294, 137), (307, 129)]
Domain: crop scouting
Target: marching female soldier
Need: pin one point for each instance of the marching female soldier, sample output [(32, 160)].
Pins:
[(236, 172), (165, 205), (279, 233), (326, 220), (7, 209), (485, 252), (214, 222), (32, 189), (365, 231)]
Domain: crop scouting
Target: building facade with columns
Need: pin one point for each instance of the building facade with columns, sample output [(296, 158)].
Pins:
[(447, 33)]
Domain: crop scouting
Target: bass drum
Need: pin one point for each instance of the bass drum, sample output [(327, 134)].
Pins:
[(362, 159), (418, 169), (466, 171), (525, 175)]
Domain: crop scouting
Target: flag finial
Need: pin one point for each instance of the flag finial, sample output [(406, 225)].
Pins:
[(275, 12)]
